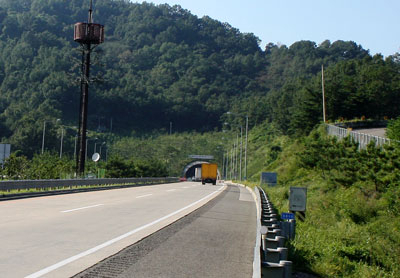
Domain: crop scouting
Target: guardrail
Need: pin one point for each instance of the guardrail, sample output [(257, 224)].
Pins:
[(274, 263), (6, 186), (361, 138)]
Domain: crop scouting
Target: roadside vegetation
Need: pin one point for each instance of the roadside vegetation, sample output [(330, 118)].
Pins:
[(352, 226), (150, 156)]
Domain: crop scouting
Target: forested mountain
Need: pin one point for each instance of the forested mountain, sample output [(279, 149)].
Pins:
[(161, 64)]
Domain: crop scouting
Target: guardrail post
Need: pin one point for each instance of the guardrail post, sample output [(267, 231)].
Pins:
[(273, 235), (287, 265)]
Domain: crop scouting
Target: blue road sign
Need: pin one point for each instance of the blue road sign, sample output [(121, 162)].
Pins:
[(287, 215), (270, 178)]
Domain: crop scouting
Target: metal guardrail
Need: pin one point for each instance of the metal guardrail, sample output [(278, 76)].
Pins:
[(361, 138), (57, 184), (274, 254)]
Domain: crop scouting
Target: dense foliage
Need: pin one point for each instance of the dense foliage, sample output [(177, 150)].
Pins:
[(152, 156), (393, 129), (158, 65), (51, 166), (352, 226), (162, 65)]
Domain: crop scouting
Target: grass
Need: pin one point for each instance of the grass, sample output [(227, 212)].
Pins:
[(349, 231)]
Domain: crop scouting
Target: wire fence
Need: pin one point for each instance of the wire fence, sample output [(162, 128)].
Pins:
[(361, 138)]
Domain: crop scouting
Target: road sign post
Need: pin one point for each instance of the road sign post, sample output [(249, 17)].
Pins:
[(269, 178), (298, 201), (287, 216)]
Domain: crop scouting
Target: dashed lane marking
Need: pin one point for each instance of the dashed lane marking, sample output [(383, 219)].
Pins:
[(88, 207)]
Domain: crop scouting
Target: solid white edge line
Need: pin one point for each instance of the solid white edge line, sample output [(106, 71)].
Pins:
[(71, 210), (107, 243), (147, 195)]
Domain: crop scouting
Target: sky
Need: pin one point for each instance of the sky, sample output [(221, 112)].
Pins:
[(374, 24)]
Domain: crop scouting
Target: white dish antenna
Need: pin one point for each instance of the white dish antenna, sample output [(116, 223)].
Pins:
[(96, 157)]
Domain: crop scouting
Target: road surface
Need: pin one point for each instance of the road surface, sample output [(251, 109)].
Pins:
[(60, 236), (373, 131), (217, 240)]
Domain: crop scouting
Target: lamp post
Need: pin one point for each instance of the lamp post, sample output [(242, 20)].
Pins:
[(241, 144), (223, 166), (227, 164), (44, 132), (76, 139), (245, 149), (87, 140), (101, 146), (61, 143), (241, 152)]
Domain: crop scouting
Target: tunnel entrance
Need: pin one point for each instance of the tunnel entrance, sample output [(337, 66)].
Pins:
[(190, 169)]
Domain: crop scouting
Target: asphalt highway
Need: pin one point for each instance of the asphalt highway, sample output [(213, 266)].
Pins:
[(60, 236), (216, 240)]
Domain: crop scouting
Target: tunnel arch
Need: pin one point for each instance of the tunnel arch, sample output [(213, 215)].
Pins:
[(193, 165)]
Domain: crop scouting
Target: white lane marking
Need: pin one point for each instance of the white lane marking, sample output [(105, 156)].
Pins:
[(185, 187), (194, 185), (147, 195), (46, 270), (71, 210), (171, 190)]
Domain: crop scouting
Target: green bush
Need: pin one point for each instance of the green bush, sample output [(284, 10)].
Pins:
[(352, 225)]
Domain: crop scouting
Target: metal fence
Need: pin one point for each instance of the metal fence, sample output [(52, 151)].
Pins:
[(361, 138), (59, 184)]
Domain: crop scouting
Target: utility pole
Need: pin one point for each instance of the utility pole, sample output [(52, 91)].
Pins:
[(89, 35)]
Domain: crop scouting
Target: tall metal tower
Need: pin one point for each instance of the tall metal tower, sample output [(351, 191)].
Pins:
[(89, 35)]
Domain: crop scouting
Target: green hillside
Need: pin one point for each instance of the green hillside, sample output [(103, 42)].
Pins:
[(161, 64), (352, 225)]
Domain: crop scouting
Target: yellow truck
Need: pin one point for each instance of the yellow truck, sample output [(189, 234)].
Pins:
[(209, 173)]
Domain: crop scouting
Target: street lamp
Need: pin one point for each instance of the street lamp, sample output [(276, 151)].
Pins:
[(101, 146), (44, 131), (245, 149), (62, 138), (76, 139), (87, 140), (241, 144)]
